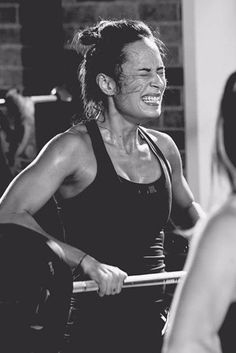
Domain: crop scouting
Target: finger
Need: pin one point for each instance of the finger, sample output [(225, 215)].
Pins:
[(119, 287), (115, 291), (101, 293), (111, 284), (102, 288), (122, 277), (117, 278), (117, 282)]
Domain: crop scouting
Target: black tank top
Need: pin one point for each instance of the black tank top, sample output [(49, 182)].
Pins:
[(116, 221)]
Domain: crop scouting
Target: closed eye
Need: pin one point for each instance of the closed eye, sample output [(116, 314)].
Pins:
[(161, 71), (145, 70)]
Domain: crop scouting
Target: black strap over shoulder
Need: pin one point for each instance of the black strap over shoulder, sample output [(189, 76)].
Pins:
[(155, 149), (104, 163)]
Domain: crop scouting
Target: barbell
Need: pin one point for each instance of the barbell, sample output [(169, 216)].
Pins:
[(145, 280), (57, 93)]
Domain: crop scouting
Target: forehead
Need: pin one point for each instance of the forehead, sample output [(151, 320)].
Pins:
[(143, 51)]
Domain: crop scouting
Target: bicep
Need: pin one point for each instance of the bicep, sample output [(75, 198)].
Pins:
[(182, 194), (185, 212), (34, 186)]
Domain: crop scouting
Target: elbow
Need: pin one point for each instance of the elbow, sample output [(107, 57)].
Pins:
[(12, 215)]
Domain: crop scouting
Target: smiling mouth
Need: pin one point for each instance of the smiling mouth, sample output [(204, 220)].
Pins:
[(152, 100)]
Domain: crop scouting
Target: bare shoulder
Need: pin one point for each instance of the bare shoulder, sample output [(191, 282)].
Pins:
[(219, 229), (168, 147), (159, 137), (224, 218), (68, 143), (162, 139)]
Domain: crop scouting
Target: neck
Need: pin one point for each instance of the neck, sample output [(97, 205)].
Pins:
[(118, 134)]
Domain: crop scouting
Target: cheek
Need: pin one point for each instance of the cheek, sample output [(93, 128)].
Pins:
[(131, 85)]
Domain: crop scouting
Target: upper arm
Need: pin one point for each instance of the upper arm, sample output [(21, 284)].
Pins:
[(182, 195), (185, 211), (34, 186)]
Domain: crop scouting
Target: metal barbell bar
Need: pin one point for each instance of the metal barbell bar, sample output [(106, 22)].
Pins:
[(37, 99), (57, 93), (152, 279)]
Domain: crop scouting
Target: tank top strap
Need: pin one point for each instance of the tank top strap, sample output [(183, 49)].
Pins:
[(104, 163), (156, 150)]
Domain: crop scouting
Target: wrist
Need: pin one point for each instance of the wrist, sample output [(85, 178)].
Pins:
[(81, 260), (78, 268)]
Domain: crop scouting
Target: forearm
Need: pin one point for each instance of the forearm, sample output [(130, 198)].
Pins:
[(196, 212), (187, 220)]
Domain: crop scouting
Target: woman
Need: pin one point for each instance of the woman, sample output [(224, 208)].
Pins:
[(114, 182), (203, 308)]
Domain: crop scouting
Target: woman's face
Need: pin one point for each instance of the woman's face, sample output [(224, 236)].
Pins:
[(142, 82)]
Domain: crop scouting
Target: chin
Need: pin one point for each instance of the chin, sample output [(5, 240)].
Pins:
[(149, 114), (149, 118), (155, 114)]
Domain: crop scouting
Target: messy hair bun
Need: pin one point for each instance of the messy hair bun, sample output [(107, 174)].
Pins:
[(89, 36), (86, 39)]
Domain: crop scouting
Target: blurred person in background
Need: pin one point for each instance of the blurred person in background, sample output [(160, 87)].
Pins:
[(203, 313)]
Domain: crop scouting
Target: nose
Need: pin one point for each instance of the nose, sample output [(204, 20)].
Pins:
[(158, 81)]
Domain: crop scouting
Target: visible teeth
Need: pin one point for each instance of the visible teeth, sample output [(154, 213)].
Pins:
[(151, 99)]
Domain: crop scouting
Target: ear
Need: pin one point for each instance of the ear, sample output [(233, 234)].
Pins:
[(106, 84)]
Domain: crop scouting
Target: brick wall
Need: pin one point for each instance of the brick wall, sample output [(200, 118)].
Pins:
[(10, 45), (17, 52)]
